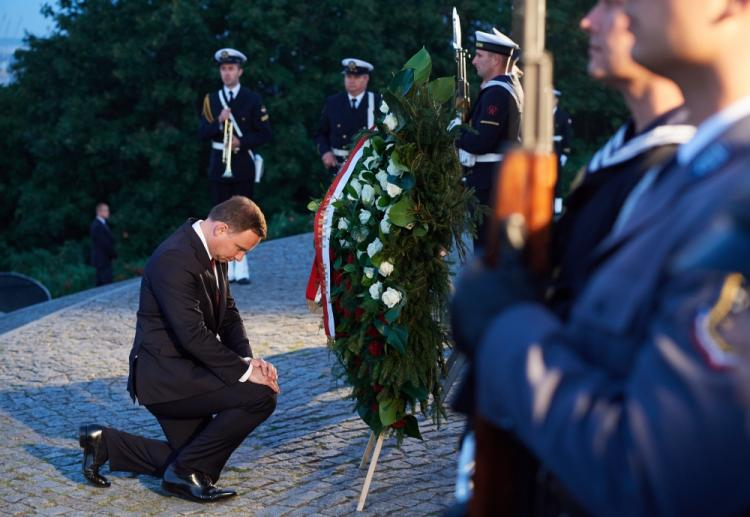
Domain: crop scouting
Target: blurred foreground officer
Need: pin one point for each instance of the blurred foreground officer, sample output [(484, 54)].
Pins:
[(495, 116), (633, 402), (250, 129), (102, 245), (191, 363), (345, 114), (649, 138)]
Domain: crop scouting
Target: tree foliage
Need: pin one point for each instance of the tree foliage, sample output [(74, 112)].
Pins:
[(106, 107)]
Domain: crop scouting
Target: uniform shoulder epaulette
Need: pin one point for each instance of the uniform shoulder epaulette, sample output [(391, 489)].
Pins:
[(207, 114)]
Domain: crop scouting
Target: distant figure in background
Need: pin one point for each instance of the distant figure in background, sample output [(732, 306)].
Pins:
[(346, 113), (250, 128), (102, 245), (563, 136)]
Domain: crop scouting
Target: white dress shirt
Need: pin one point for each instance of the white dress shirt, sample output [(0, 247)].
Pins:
[(199, 231), (356, 100)]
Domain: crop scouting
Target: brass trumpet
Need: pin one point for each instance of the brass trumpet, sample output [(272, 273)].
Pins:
[(226, 154)]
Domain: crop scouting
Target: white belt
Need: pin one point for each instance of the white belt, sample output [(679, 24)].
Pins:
[(340, 153), (489, 157), (557, 138), (218, 146)]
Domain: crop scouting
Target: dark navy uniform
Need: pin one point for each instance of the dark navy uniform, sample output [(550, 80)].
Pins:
[(638, 401), (496, 117), (605, 183), (339, 123), (563, 135), (252, 117)]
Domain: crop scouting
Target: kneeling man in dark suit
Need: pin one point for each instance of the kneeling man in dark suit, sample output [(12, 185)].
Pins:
[(191, 364)]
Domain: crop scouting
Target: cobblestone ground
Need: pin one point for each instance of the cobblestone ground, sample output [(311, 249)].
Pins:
[(70, 367)]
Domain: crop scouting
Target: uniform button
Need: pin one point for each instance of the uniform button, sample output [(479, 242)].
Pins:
[(338, 125), (345, 136)]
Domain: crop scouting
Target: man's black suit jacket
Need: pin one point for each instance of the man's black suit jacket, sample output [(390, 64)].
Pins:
[(176, 353), (102, 244)]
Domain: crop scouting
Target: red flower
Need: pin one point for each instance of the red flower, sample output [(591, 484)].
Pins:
[(348, 284), (372, 332), (377, 388), (350, 258), (357, 361), (399, 424), (381, 317), (359, 312), (337, 277), (374, 407), (375, 348)]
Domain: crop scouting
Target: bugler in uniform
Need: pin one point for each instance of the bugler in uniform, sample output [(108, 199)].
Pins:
[(496, 115), (346, 113), (250, 128)]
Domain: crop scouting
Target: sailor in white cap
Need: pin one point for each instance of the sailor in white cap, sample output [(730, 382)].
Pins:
[(250, 128), (346, 113), (495, 117)]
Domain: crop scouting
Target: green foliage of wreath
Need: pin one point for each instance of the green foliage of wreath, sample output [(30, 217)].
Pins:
[(402, 212)]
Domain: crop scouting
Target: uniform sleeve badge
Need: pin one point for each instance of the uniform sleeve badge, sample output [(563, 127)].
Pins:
[(492, 110), (722, 331)]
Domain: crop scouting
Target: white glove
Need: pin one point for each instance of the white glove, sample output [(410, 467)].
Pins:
[(466, 158), (453, 123)]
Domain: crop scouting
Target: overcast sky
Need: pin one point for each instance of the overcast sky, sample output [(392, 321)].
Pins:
[(17, 16)]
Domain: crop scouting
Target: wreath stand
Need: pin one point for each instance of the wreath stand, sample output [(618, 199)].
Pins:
[(455, 365)]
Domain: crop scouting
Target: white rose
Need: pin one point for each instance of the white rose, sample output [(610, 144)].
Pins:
[(359, 254), (390, 121), (367, 195), (382, 178), (356, 186), (386, 268), (371, 161), (395, 170), (369, 272), (342, 242), (385, 226), (364, 216), (366, 145), (374, 247), (375, 290), (391, 297), (383, 108), (343, 224), (394, 190)]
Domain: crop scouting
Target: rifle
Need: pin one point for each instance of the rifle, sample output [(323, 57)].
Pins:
[(462, 83), (525, 183), (505, 471)]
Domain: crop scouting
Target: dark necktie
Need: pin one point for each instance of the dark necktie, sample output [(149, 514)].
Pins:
[(231, 95), (216, 290), (354, 104)]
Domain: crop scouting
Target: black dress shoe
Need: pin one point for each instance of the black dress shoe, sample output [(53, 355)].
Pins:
[(243, 281), (94, 453), (193, 486)]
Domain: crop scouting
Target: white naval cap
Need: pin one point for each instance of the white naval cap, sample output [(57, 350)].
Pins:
[(356, 66), (229, 55), (496, 42)]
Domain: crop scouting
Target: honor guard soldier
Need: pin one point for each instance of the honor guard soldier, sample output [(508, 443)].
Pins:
[(637, 401), (236, 122), (345, 114), (563, 131), (495, 117)]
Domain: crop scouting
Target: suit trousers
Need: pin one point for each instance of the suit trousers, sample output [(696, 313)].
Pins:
[(104, 275), (201, 431)]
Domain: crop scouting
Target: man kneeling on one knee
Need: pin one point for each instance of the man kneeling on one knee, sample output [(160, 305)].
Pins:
[(191, 364)]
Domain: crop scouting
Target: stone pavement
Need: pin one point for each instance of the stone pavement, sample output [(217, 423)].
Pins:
[(70, 367)]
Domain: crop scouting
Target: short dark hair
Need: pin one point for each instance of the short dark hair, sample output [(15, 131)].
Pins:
[(240, 214), (101, 205)]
